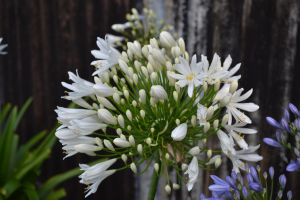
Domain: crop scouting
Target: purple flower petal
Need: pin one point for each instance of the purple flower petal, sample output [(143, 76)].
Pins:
[(256, 187), (218, 181), (285, 125), (282, 180), (271, 172), (274, 123), (249, 178), (231, 182), (294, 109), (293, 167), (254, 174), (287, 115), (245, 192), (273, 143)]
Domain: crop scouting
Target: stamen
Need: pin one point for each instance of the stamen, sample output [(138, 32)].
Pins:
[(189, 78)]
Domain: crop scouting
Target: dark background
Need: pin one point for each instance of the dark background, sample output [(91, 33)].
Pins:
[(49, 38)]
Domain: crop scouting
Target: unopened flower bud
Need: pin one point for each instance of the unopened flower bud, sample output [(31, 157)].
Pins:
[(175, 95), (167, 156), (129, 54), (158, 92), (206, 127), (175, 51), (95, 106), (176, 186), (149, 141), (133, 168), (135, 78), (216, 124), (106, 117), (145, 72), (167, 40), (122, 136), (187, 57), (177, 122), (193, 121), (153, 76), (124, 55), (129, 127), (184, 167), (265, 175), (210, 112), (209, 154), (124, 158), (152, 130), (205, 86), (150, 68), (121, 142), (108, 145), (142, 112), (153, 43), (131, 140), (145, 51), (99, 142), (204, 141), (129, 115), (218, 162), (225, 119), (119, 131), (135, 48), (140, 149), (123, 65), (152, 101), (159, 56), (217, 84), (97, 80), (122, 101), (181, 45), (169, 66), (121, 121), (116, 98), (126, 94), (115, 78), (233, 86), (225, 101), (134, 103), (168, 189), (156, 167), (142, 94), (194, 151)]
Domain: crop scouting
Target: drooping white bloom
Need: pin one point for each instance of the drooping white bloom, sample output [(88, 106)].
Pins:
[(189, 75), (107, 54), (114, 40), (68, 145), (245, 154), (82, 103), (179, 132), (95, 174), (229, 77), (65, 115), (158, 92), (227, 143), (80, 87), (213, 71), (213, 159), (86, 126), (192, 171), (201, 114), (65, 134), (2, 47), (105, 90)]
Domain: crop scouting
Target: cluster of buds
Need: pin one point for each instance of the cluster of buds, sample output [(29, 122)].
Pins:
[(161, 105), (234, 187), (139, 27), (292, 127)]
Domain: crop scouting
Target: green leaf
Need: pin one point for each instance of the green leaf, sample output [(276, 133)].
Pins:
[(4, 112), (12, 155), (31, 193), (57, 179), (56, 195), (11, 186), (22, 111)]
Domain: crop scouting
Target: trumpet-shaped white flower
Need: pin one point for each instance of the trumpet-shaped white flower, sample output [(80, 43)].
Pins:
[(107, 54), (214, 70), (87, 149), (201, 114), (192, 171), (105, 90), (80, 87), (189, 75), (245, 154), (158, 92), (86, 126), (95, 174), (65, 115), (114, 40), (179, 132), (229, 77), (68, 145), (82, 103), (2, 47)]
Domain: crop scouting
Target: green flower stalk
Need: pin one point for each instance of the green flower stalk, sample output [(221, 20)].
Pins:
[(161, 104)]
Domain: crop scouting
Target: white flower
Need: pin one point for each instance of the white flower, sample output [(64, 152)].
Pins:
[(229, 77), (107, 54), (121, 142), (179, 132), (114, 40), (213, 159), (192, 171), (105, 90), (87, 149), (239, 139), (68, 145), (80, 87), (189, 75), (201, 114), (86, 126), (95, 175), (246, 155), (2, 47), (65, 134), (214, 70), (121, 27), (65, 115), (227, 143), (82, 103), (106, 117), (158, 92), (234, 104)]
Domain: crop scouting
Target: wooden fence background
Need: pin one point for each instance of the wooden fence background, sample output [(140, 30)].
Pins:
[(48, 38)]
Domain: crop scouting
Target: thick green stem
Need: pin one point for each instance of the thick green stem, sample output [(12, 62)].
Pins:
[(154, 180)]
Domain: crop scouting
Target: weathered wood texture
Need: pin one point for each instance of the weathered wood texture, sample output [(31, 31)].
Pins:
[(46, 39), (263, 35)]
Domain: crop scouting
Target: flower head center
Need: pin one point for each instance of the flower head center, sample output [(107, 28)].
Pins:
[(189, 78)]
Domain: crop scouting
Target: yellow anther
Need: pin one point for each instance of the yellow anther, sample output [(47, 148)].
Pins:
[(65, 96), (189, 78), (229, 155)]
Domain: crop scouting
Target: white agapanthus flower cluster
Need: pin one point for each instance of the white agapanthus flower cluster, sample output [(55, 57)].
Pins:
[(160, 103)]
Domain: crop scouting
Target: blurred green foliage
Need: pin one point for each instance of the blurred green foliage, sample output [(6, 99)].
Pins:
[(20, 165)]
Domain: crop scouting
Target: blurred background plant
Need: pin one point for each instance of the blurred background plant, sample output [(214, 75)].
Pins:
[(21, 164)]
